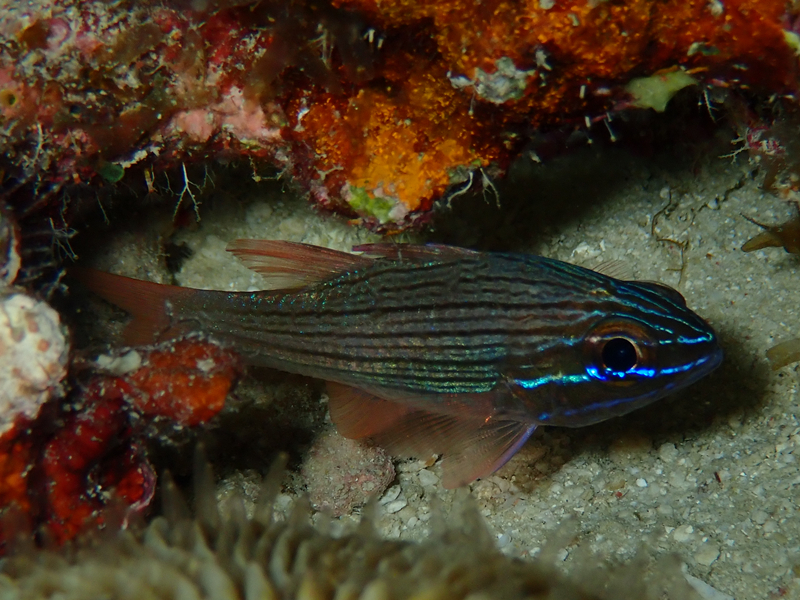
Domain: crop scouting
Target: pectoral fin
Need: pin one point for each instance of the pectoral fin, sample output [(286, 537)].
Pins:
[(471, 445), (484, 450)]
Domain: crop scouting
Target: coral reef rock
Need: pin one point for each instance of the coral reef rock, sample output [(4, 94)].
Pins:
[(377, 109), (33, 356), (229, 555)]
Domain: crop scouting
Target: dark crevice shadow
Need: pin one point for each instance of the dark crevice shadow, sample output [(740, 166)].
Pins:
[(529, 202), (536, 199), (573, 177), (267, 412)]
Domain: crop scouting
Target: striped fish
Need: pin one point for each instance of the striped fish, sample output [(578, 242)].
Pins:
[(441, 350)]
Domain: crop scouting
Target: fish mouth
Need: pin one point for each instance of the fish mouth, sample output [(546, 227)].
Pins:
[(716, 359), (706, 364), (695, 370)]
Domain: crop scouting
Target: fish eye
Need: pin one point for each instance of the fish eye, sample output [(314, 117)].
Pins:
[(619, 354), (617, 349)]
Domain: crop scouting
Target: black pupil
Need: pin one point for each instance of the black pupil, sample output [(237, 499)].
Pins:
[(619, 355)]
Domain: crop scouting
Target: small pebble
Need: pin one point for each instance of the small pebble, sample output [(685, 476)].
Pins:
[(667, 452), (396, 505), (683, 534), (706, 591), (706, 555), (428, 478), (391, 494)]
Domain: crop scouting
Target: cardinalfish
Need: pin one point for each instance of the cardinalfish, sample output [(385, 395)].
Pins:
[(441, 350)]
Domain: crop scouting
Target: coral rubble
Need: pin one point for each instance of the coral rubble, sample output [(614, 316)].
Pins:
[(342, 474), (33, 356), (376, 108), (185, 382), (71, 431), (60, 467)]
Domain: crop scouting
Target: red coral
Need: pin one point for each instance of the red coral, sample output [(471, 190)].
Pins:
[(186, 381), (16, 451), (65, 480), (88, 459)]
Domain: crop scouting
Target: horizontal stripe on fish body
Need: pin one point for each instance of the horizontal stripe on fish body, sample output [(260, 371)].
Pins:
[(487, 307), (417, 333)]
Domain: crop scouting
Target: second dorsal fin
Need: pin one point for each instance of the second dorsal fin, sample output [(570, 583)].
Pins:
[(293, 264), (616, 268), (414, 252)]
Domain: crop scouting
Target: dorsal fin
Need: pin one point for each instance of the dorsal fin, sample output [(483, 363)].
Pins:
[(662, 289), (472, 445), (616, 268), (414, 252), (293, 264)]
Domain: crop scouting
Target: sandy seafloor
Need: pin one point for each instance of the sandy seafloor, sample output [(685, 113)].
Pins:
[(710, 474)]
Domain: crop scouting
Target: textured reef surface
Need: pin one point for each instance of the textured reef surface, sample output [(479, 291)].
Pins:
[(226, 552), (377, 109), (142, 137)]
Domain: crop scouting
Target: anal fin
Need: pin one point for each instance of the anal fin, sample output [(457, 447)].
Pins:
[(472, 446), (358, 414)]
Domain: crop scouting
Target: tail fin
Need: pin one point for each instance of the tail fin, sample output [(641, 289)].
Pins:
[(150, 304)]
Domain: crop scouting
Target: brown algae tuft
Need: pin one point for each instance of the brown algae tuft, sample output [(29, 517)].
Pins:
[(224, 553)]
